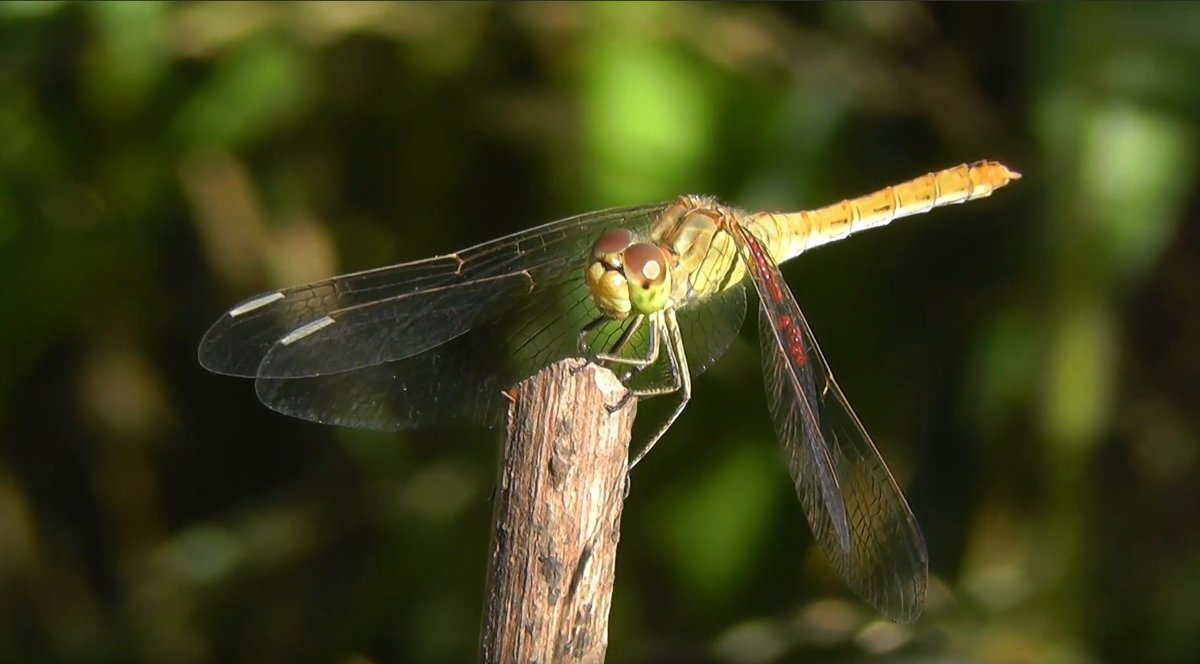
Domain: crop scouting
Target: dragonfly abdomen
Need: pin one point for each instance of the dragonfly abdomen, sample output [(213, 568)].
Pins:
[(788, 234)]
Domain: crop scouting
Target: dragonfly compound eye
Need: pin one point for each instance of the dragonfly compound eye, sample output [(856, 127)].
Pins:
[(649, 277), (612, 243)]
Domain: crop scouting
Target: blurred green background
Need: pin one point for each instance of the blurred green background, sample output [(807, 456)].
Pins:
[(1029, 364)]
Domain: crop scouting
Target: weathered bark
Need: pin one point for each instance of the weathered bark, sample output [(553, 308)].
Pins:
[(559, 494)]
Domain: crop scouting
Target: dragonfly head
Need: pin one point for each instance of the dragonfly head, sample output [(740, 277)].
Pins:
[(627, 276)]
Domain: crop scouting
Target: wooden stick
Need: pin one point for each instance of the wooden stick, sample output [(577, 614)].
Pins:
[(557, 518)]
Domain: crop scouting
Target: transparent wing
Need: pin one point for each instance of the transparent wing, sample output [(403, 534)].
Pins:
[(462, 379), (879, 550), (388, 314), (783, 312), (709, 326)]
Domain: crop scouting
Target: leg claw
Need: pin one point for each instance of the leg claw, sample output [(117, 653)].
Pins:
[(620, 404)]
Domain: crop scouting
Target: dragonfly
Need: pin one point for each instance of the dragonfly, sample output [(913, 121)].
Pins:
[(657, 291)]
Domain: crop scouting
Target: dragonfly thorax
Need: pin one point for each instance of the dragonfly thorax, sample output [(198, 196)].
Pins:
[(626, 276)]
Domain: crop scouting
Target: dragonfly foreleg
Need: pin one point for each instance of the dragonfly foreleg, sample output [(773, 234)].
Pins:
[(681, 379), (614, 354)]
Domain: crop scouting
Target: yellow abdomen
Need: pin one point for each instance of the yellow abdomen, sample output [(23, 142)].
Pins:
[(707, 257)]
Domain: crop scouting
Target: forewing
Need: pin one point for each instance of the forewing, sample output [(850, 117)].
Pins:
[(463, 378), (389, 314), (459, 379)]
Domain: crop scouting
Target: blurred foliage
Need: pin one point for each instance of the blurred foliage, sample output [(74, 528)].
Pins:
[(1028, 364)]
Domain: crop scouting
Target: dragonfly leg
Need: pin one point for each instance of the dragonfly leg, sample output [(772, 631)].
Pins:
[(636, 364), (624, 339), (682, 379), (581, 344), (658, 328), (639, 364), (614, 356)]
